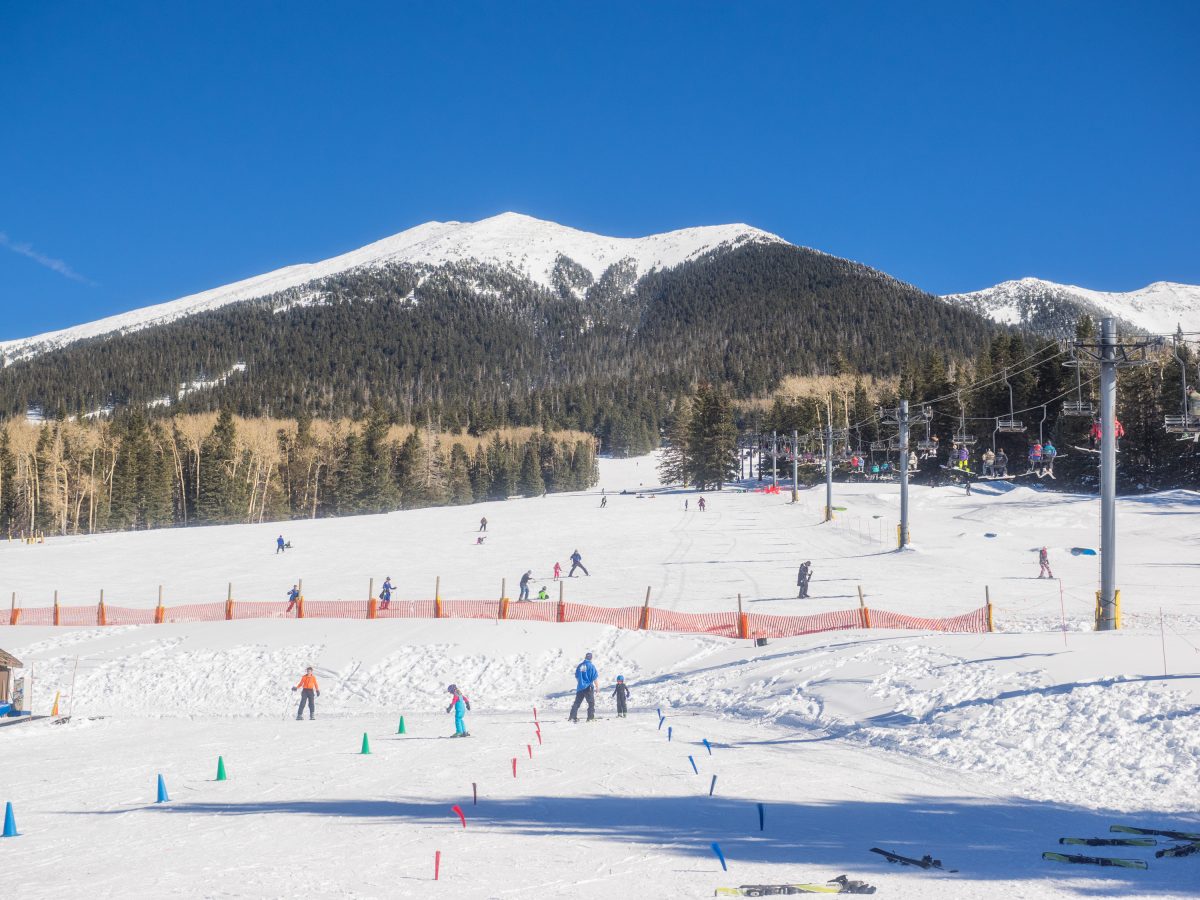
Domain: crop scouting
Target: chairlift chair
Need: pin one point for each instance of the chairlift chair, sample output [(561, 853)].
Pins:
[(1187, 424)]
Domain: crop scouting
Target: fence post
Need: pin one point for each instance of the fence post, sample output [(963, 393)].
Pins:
[(371, 607), (159, 612), (229, 602), (14, 614), (743, 621), (300, 600), (560, 614), (644, 625), (56, 607), (863, 613), (437, 588), (101, 618), (987, 595)]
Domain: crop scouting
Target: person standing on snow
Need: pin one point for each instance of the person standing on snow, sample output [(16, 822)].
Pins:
[(557, 571), (385, 593), (621, 692), (603, 502), (280, 545), (483, 524), (1044, 562), (460, 705), (585, 689), (803, 577), (525, 579), (577, 563), (293, 596), (308, 688), (700, 503)]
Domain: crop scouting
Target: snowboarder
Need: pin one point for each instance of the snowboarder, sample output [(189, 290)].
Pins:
[(803, 577), (1001, 468), (700, 503), (524, 595), (385, 593), (603, 502), (621, 692), (293, 597), (483, 524), (557, 571), (585, 688), (989, 462), (577, 563), (460, 705), (280, 545), (543, 594), (1044, 562), (308, 688)]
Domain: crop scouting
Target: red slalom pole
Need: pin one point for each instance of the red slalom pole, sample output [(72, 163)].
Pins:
[(529, 747), (514, 767), (539, 737), (437, 864), (535, 714), (457, 810)]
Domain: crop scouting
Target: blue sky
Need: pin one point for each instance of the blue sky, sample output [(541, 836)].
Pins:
[(150, 150)]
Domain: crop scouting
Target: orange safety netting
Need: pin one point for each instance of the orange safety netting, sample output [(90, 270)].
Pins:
[(121, 615), (194, 612), (759, 625), (629, 617), (407, 609), (721, 624), (533, 611)]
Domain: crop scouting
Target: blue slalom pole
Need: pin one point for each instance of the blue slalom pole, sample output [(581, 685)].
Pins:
[(10, 821), (669, 730), (760, 818), (716, 848), (708, 746), (693, 762), (712, 785), (661, 719), (162, 791)]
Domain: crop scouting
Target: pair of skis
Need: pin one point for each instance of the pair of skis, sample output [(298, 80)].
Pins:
[(1190, 846), (925, 862), (1150, 835), (839, 885)]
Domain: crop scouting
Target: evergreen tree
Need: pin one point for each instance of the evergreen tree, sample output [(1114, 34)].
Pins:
[(531, 483)]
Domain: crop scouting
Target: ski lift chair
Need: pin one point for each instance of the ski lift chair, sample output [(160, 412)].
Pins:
[(1010, 426), (1079, 409), (961, 437)]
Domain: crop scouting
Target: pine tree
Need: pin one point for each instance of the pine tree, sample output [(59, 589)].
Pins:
[(675, 463), (221, 493), (459, 489), (531, 483)]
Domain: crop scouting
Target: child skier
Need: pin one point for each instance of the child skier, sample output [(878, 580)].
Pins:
[(460, 705), (543, 594), (557, 571), (293, 596), (621, 692), (1044, 562), (385, 593)]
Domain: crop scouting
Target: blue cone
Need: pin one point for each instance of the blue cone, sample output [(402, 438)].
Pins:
[(10, 821), (162, 791)]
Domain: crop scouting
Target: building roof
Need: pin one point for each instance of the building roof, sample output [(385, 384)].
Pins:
[(10, 661)]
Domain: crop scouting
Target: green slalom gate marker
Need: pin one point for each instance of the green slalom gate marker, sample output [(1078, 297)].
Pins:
[(401, 730), (366, 747), (221, 769)]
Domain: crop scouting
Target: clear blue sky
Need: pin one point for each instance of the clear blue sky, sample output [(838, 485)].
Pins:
[(149, 150)]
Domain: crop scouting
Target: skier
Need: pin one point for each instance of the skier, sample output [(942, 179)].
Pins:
[(989, 463), (524, 595), (543, 594), (280, 545), (577, 563), (1001, 468), (585, 688), (964, 456), (385, 593), (1035, 457), (1095, 433), (1044, 562), (803, 577), (700, 503), (293, 596), (1048, 454), (308, 688), (483, 524), (621, 692), (685, 504), (557, 571), (603, 502), (460, 705)]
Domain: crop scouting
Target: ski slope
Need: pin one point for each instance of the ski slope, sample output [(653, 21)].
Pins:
[(980, 749)]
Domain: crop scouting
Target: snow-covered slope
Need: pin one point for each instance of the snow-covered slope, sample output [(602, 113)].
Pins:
[(1157, 308), (524, 244)]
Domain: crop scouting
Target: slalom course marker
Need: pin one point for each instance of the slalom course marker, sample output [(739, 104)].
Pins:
[(474, 794), (162, 791), (661, 719), (221, 769), (712, 786), (457, 810), (514, 767), (54, 710), (535, 714), (707, 746), (692, 760), (659, 711), (529, 747), (437, 864), (10, 821), (401, 730), (716, 848), (761, 818), (539, 737), (669, 730), (366, 747)]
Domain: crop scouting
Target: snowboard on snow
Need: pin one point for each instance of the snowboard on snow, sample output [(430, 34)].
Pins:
[(925, 862), (1095, 860), (839, 885)]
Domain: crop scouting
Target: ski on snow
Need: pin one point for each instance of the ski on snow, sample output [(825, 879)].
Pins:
[(839, 885), (1095, 860), (925, 862), (1173, 835), (1110, 842)]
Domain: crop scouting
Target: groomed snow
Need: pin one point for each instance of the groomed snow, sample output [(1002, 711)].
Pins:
[(980, 749), (510, 240)]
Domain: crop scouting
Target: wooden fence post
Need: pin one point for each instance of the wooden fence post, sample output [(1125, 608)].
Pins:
[(371, 599), (159, 612), (101, 618), (14, 614), (743, 621), (644, 624), (300, 601), (987, 595), (864, 614), (229, 602), (56, 607)]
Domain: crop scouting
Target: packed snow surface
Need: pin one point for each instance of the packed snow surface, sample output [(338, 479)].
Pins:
[(981, 749), (517, 242), (1158, 308)]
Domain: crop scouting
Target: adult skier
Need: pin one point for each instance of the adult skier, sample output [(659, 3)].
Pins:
[(280, 545), (585, 689), (308, 688), (989, 462), (385, 593), (1095, 433), (700, 503), (293, 596), (483, 524), (524, 595), (1049, 452), (1001, 467), (577, 563), (621, 692), (460, 705), (964, 457), (603, 502), (1044, 562), (803, 577)]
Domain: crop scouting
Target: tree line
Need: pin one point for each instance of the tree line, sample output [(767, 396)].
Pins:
[(132, 471)]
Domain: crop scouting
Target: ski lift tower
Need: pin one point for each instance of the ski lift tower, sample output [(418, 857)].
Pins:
[(899, 417), (1111, 355)]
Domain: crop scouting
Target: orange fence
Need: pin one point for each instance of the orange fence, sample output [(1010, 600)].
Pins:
[(643, 618)]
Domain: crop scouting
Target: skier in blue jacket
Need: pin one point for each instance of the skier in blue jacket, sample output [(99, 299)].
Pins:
[(585, 688), (385, 593)]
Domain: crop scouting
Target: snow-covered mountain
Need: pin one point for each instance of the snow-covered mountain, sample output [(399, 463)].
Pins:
[(1053, 308), (531, 247)]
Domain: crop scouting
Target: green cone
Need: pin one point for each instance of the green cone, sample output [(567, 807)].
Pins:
[(366, 748), (400, 730), (221, 768)]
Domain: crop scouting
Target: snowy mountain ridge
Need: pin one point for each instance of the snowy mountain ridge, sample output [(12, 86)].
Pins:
[(528, 246), (1157, 308)]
